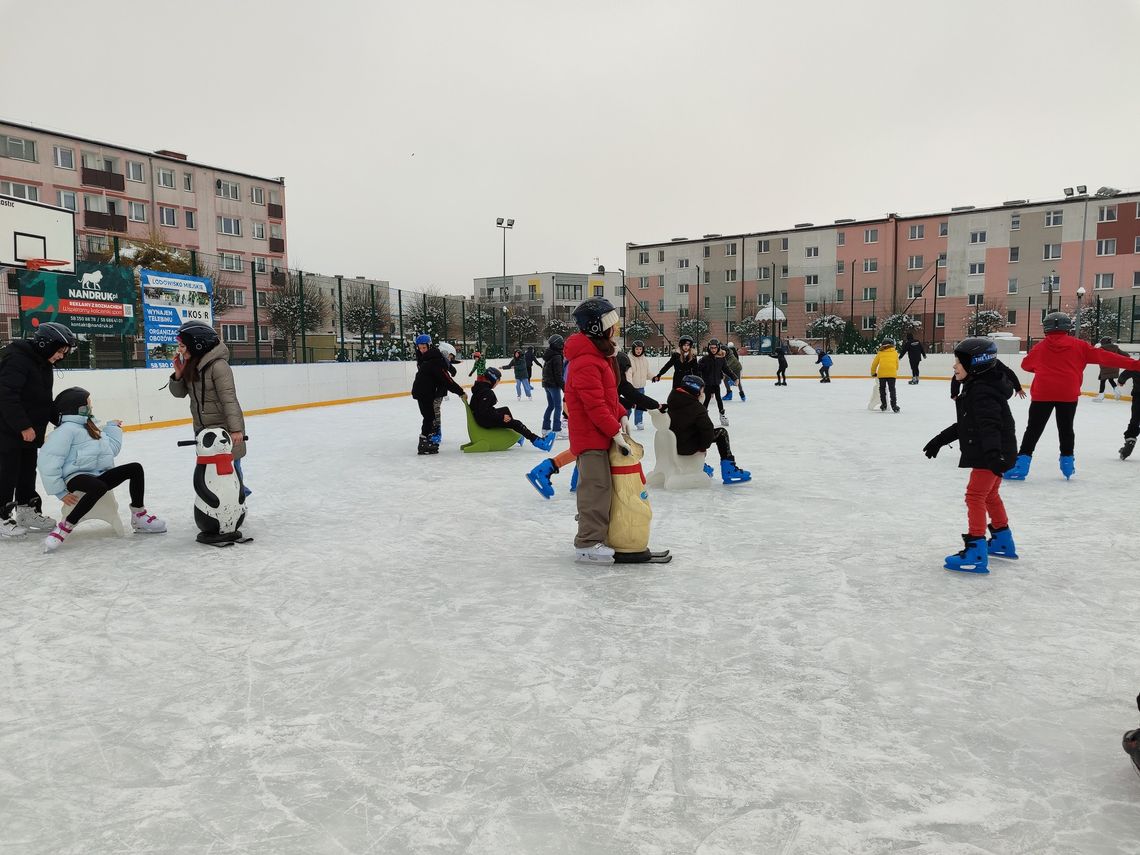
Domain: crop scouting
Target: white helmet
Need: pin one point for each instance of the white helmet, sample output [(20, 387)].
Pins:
[(447, 350), (731, 345)]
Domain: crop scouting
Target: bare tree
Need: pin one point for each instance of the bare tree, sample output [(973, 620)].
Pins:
[(290, 309)]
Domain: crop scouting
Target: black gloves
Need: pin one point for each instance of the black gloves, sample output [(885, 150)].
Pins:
[(932, 448), (994, 464)]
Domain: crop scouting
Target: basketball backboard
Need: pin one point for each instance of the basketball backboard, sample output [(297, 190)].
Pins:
[(31, 230)]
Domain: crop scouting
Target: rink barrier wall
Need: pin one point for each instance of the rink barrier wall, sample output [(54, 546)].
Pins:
[(139, 396)]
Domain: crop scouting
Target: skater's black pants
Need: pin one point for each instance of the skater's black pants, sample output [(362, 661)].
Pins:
[(519, 428), (825, 374), (1133, 429), (430, 412), (886, 383), (95, 487), (914, 368), (17, 477), (720, 436), (709, 393), (514, 424), (1039, 412), (1110, 382)]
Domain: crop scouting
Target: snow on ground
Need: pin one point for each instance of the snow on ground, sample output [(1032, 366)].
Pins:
[(407, 660)]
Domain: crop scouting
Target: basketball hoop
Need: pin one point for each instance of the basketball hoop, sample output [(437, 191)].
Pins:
[(40, 263)]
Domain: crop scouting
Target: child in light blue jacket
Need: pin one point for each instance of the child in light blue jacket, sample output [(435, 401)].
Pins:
[(79, 457)]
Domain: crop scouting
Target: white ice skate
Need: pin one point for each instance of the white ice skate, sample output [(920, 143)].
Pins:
[(141, 521), (723, 420), (9, 530), (1099, 397), (58, 535), (599, 553), (28, 517), (1116, 393)]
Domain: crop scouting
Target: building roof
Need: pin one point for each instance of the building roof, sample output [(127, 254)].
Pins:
[(162, 154)]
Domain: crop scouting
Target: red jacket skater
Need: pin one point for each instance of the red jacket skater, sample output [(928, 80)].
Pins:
[(592, 407), (1058, 365)]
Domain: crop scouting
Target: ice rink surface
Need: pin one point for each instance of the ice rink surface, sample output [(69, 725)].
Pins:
[(407, 660)]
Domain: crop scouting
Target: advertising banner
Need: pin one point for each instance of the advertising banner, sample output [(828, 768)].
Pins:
[(169, 300), (95, 300)]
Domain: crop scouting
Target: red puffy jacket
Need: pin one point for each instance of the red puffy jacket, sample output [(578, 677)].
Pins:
[(592, 407), (1058, 365)]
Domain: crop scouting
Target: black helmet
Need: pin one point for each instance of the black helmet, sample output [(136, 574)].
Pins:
[(51, 337), (492, 374), (1057, 322), (556, 342), (638, 343), (887, 342), (683, 339), (976, 354), (70, 400), (198, 337), (595, 316), (694, 383), (713, 342), (623, 361)]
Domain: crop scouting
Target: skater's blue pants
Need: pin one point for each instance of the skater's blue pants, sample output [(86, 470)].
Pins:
[(638, 415), (245, 491), (552, 418), (522, 384)]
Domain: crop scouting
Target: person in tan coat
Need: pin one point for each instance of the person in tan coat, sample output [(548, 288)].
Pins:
[(202, 373)]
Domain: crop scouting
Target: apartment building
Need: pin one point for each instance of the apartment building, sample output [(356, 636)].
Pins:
[(234, 220), (548, 294), (1021, 258)]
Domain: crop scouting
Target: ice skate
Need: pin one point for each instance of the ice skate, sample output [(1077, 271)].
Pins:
[(1068, 465), (563, 435), (1116, 393), (1000, 544), (1020, 468), (544, 442), (639, 426), (30, 518), (10, 531), (436, 438), (1099, 397), (973, 559), (1126, 449), (723, 420), (742, 395), (425, 445), (730, 473), (708, 470), (574, 480), (727, 396), (1131, 745), (539, 478), (599, 553), (141, 521), (58, 535), (895, 408), (882, 408)]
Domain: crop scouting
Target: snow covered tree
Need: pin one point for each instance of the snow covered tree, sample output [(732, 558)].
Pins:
[(695, 326), (850, 341), (481, 326), (557, 326), (985, 321), (425, 314), (521, 325), (897, 326), (749, 331), (639, 329), (1092, 328), (358, 313), (287, 306), (828, 327)]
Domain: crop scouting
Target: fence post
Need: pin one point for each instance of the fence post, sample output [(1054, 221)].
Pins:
[(372, 292), (1096, 320), (301, 300), (400, 307), (463, 321), (193, 262), (341, 356), (256, 326), (1028, 316), (115, 244)]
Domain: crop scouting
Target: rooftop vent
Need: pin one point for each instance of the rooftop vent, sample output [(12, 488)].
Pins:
[(1016, 202), (845, 220), (804, 225), (674, 240), (630, 245), (177, 155), (711, 236), (962, 208)]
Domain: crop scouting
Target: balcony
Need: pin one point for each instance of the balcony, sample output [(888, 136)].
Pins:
[(105, 222), (276, 212), (276, 244), (277, 277), (103, 178)]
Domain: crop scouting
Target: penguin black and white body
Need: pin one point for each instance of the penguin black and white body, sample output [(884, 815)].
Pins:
[(219, 508)]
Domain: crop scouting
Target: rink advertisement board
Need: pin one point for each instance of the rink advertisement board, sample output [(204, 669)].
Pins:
[(169, 300), (98, 299)]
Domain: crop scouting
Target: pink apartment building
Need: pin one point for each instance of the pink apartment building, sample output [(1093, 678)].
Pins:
[(234, 220), (939, 268)]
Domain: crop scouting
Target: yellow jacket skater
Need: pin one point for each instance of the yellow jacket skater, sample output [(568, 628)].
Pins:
[(630, 513), (885, 366)]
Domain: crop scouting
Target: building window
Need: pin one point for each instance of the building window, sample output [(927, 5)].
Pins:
[(784, 244), (1136, 246), (917, 233), (708, 302), (811, 279), (764, 273), (1054, 218), (1136, 279), (1050, 283), (260, 264), (943, 229), (1103, 281), (708, 251), (870, 235), (1014, 254), (811, 308), (977, 268), (839, 266), (1052, 252), (229, 226), (164, 178), (940, 289), (661, 304), (232, 261), (914, 262), (913, 292), (263, 332), (941, 259), (839, 294), (599, 291), (730, 249), (257, 231), (136, 212), (233, 332), (90, 203), (257, 195), (1106, 214), (841, 238), (706, 276), (643, 282), (18, 148), (188, 182), (167, 217), (191, 220), (978, 236), (275, 230), (568, 292), (682, 287), (65, 199), (868, 322), (870, 294), (64, 157), (20, 191), (811, 252), (234, 296), (940, 320), (1011, 317), (784, 271), (974, 299), (783, 298), (134, 171), (1106, 246), (643, 258), (730, 276), (682, 263), (262, 300), (1011, 286), (730, 301), (763, 246), (1014, 222), (683, 312), (870, 265), (227, 190), (98, 243), (660, 255)]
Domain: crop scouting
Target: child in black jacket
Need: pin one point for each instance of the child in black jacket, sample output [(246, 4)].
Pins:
[(713, 371), (690, 421), (487, 415), (780, 355), (987, 438), (683, 362), (432, 382)]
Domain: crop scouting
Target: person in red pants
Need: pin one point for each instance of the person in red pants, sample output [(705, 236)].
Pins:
[(987, 437)]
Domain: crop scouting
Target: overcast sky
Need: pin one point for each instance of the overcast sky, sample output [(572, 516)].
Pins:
[(404, 129)]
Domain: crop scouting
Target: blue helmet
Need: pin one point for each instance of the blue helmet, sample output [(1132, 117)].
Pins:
[(423, 338), (492, 374), (693, 383)]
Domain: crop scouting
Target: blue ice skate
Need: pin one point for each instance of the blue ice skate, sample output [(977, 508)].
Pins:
[(1068, 466), (727, 396), (1001, 544), (539, 478), (708, 470), (436, 437), (973, 559), (1019, 469), (574, 480), (742, 395), (730, 473), (545, 443)]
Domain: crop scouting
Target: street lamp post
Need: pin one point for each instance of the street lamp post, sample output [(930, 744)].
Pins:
[(1080, 296)]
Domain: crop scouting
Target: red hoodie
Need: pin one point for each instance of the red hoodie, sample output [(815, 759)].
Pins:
[(592, 407), (1058, 365)]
